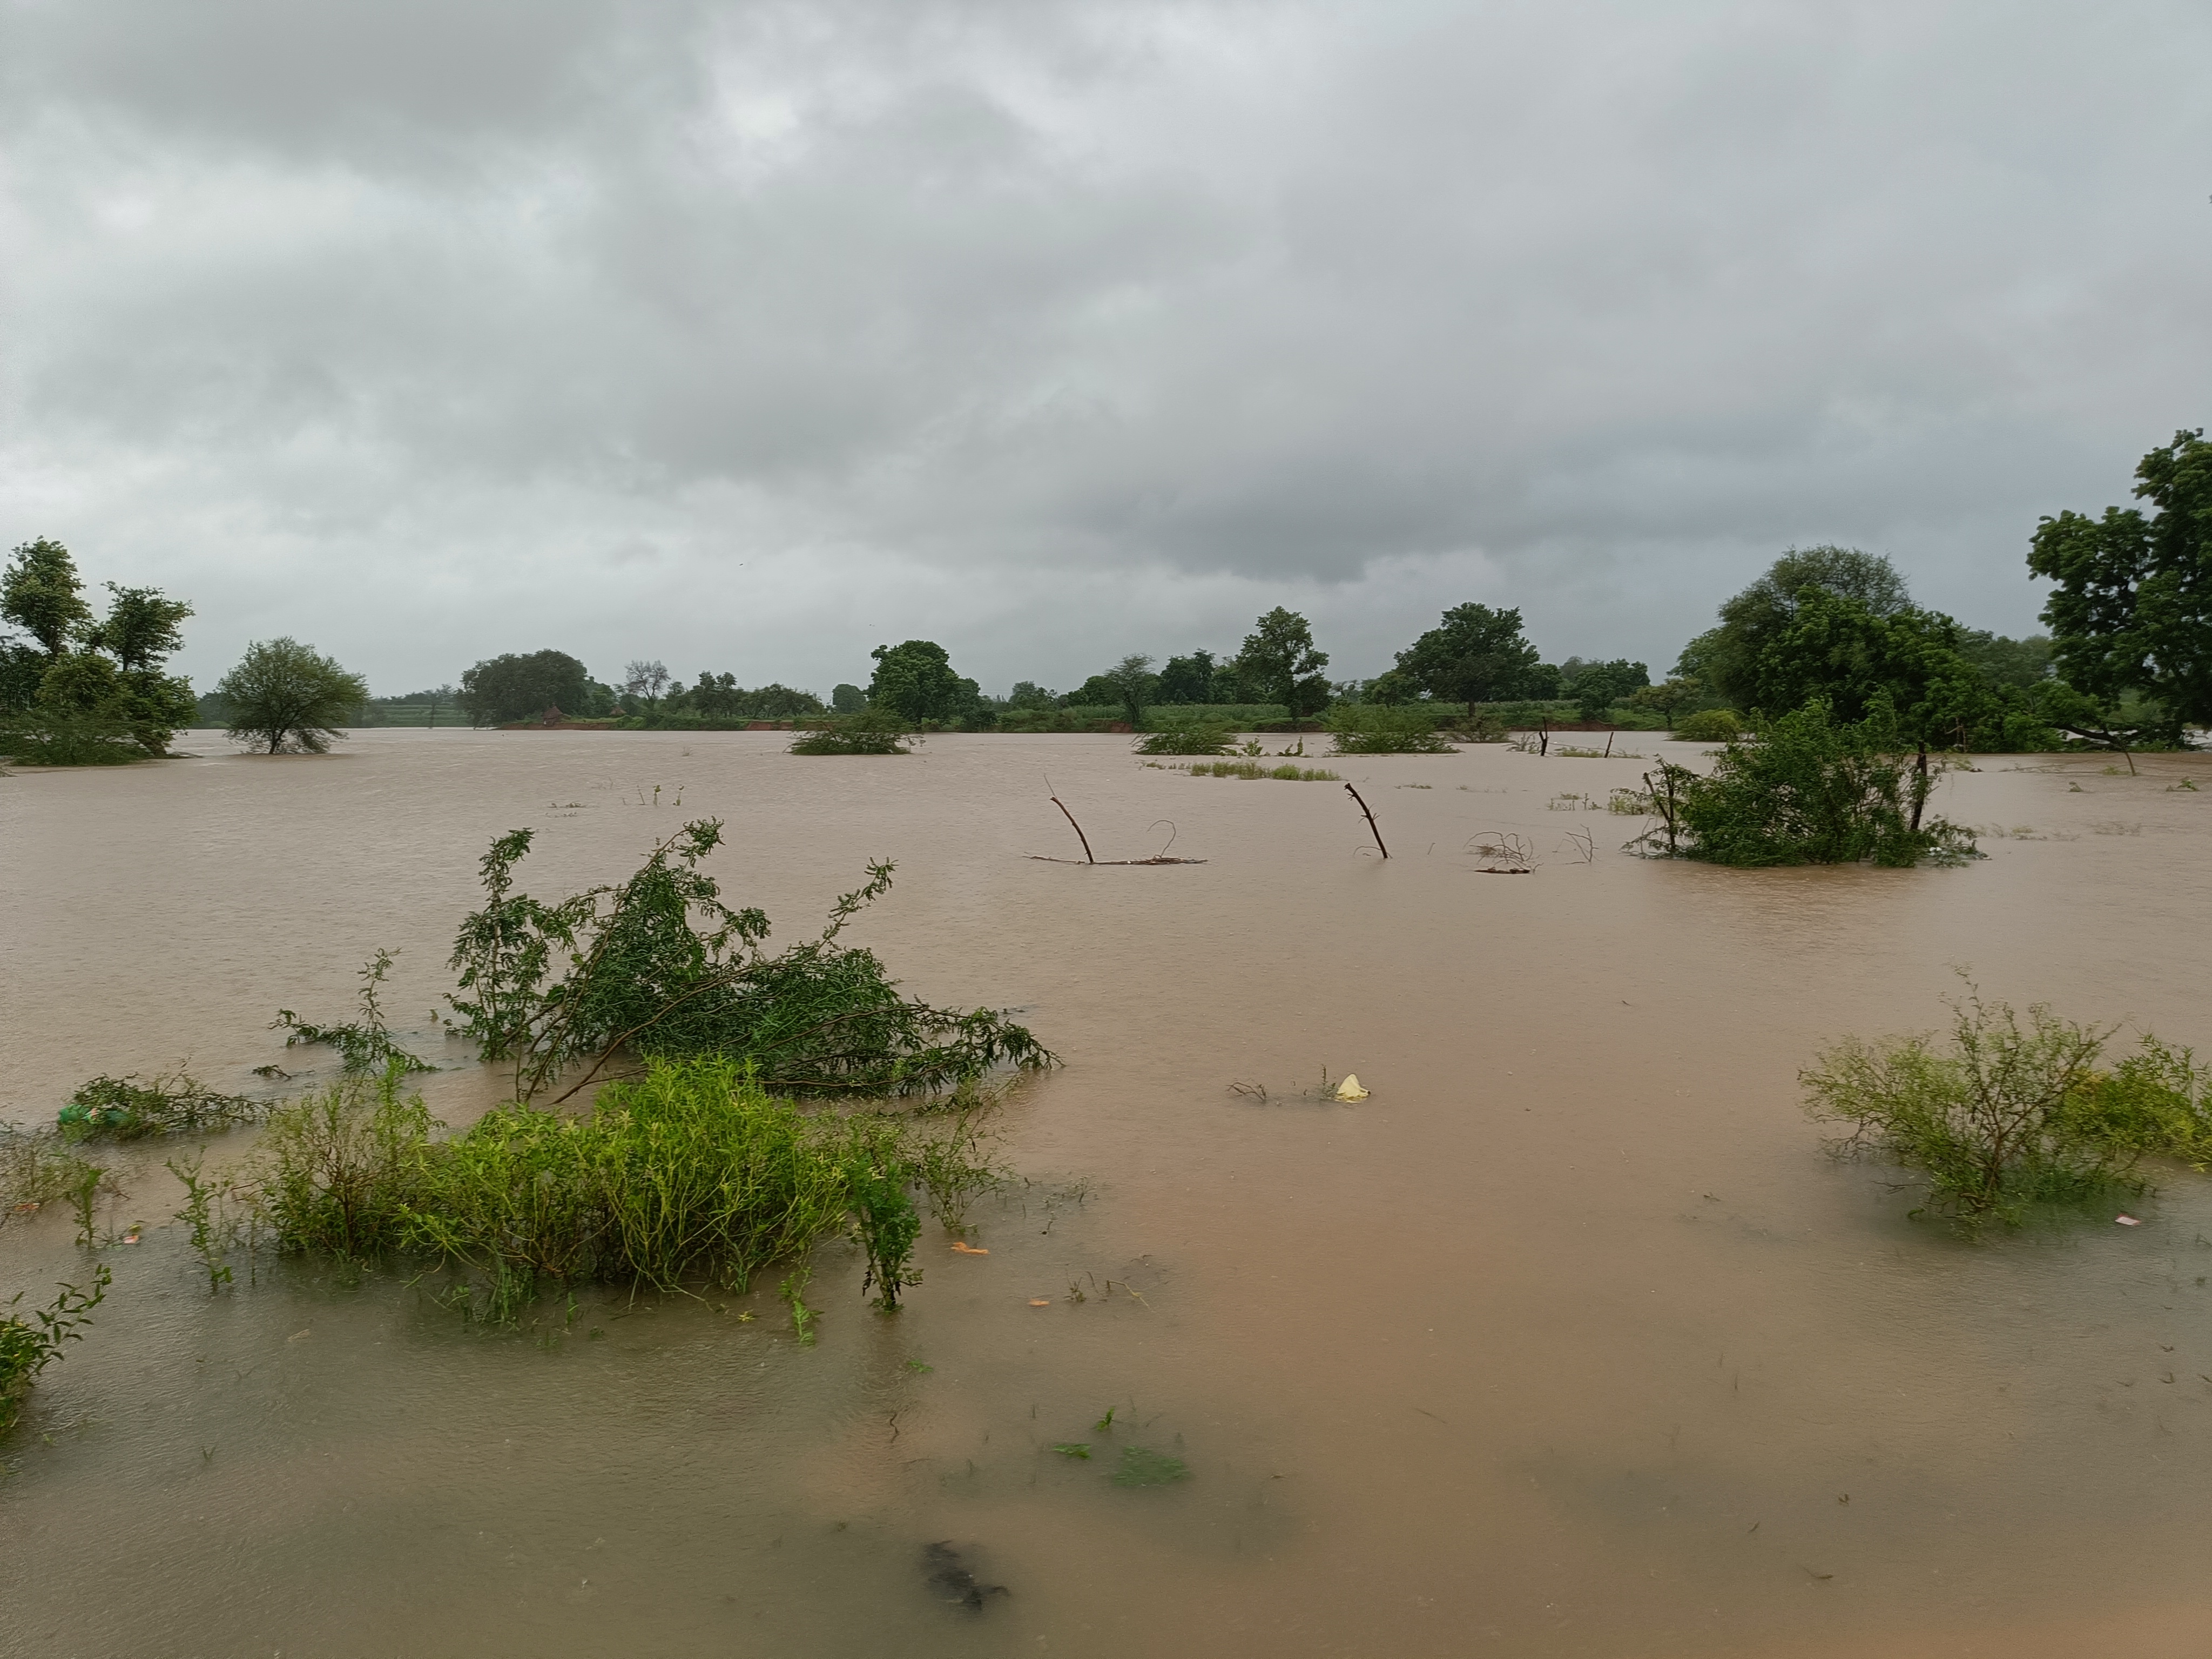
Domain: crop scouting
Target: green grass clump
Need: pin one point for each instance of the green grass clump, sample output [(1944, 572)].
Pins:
[(1185, 740), (2011, 1115), (1710, 726), (1252, 770), (1382, 729), (691, 1173)]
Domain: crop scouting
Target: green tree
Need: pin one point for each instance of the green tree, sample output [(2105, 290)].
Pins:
[(850, 699), (2023, 664), (142, 627), (1665, 698), (1279, 664), (1473, 655), (1134, 686), (1188, 679), (41, 593), (1027, 694), (518, 688), (915, 680), (2131, 612), (1727, 659), (287, 695), (1598, 685)]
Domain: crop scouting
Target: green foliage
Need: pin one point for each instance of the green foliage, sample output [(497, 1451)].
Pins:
[(2011, 1115), (36, 1170), (1188, 679), (1135, 685), (1727, 659), (1597, 686), (1143, 1467), (818, 1018), (2131, 612), (2021, 665), (142, 629), (1195, 738), (1711, 726), (81, 693), (691, 1172), (719, 697), (871, 731), (1806, 790), (1380, 729), (915, 682), (290, 695), (1279, 664), (366, 1044), (42, 594), (29, 1345), (1252, 771), (513, 687), (848, 699), (1677, 692), (1473, 655), (172, 1103), (206, 1224)]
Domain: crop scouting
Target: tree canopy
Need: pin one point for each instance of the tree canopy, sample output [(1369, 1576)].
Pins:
[(1473, 655), (519, 688), (1727, 659), (916, 682), (1280, 664), (2131, 612), (1188, 679), (290, 695), (82, 688)]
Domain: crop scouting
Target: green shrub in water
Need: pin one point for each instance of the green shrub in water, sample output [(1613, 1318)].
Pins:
[(1193, 739), (125, 1108), (29, 1343), (1710, 726), (2011, 1115), (1385, 729), (871, 731)]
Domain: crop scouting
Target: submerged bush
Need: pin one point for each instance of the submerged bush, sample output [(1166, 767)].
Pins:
[(1385, 729), (28, 1344), (1710, 726), (124, 1108), (1252, 771), (689, 1173), (1186, 740), (47, 737), (1804, 790), (871, 731), (639, 974), (365, 1044), (2009, 1115)]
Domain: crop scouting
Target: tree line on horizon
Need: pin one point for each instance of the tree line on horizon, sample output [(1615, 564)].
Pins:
[(2127, 664)]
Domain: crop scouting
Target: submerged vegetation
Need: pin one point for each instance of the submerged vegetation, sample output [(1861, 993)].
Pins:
[(31, 1342), (1380, 729), (365, 1044), (691, 1173), (2010, 1115), (1191, 740), (1804, 789), (871, 731), (169, 1103), (1252, 771), (551, 986)]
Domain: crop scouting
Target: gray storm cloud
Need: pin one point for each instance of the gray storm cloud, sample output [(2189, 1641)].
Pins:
[(749, 336)]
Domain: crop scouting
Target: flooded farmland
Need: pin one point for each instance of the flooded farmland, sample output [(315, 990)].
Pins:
[(1567, 1340)]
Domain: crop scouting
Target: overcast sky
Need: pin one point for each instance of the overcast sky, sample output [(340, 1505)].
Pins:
[(749, 337)]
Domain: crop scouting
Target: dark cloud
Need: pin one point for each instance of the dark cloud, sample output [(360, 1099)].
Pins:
[(1056, 331)]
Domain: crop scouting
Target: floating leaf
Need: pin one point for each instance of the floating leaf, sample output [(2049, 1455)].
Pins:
[(1073, 1449)]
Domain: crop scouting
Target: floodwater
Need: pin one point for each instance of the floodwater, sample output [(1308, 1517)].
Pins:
[(1567, 1342)]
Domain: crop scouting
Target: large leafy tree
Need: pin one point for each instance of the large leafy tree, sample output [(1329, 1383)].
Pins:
[(1598, 685), (516, 687), (1134, 686), (1188, 679), (2131, 612), (1280, 664), (916, 682), (42, 594), (1727, 659), (1473, 655), (290, 695), (103, 680)]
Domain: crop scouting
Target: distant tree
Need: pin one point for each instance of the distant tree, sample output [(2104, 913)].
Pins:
[(516, 687), (1665, 698), (915, 680), (2131, 612), (1726, 659), (1280, 664), (1027, 694), (1392, 687), (1473, 655), (2024, 664), (142, 627), (290, 695), (1135, 685), (646, 679), (1188, 679), (41, 593), (850, 699), (1228, 685), (1596, 686)]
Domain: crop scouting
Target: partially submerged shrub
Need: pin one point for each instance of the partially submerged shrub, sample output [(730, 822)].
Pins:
[(1384, 729), (871, 731), (1186, 740), (365, 1044), (2008, 1115), (1252, 771), (171, 1104), (640, 974), (35, 1170), (29, 1343), (1710, 726), (689, 1173), (1805, 790), (47, 737)]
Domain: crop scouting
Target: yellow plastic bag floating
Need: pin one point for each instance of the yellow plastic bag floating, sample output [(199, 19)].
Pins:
[(1350, 1089)]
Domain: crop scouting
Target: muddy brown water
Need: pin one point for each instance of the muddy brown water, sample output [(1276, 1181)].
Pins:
[(1568, 1341)]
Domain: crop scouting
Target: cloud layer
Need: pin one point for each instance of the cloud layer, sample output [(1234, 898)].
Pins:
[(749, 336)]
